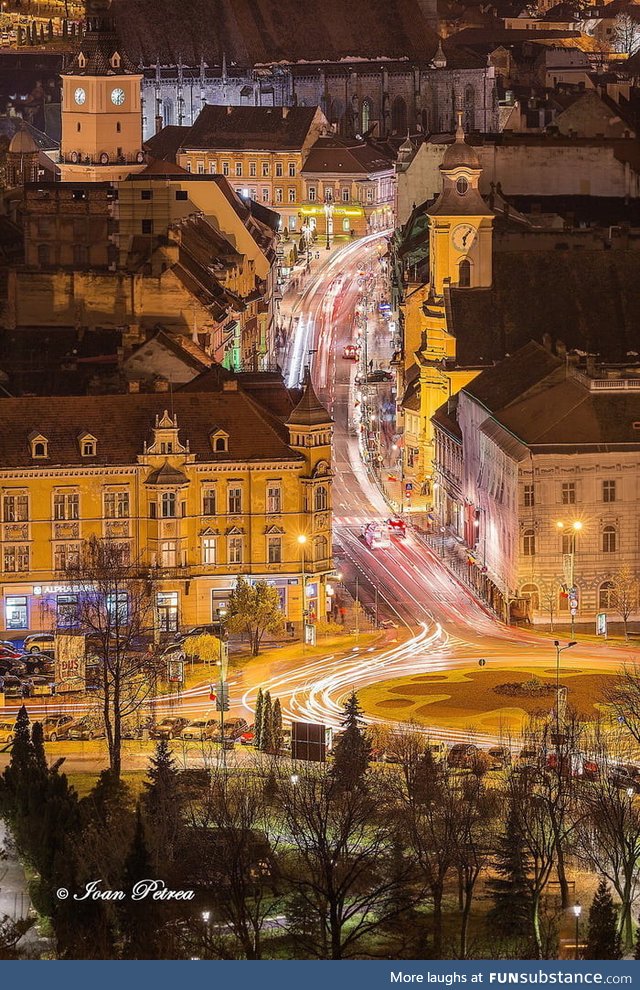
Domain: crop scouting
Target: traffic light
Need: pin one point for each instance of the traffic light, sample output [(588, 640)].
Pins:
[(222, 698)]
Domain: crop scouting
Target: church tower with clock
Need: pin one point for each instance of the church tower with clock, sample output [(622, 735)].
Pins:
[(101, 106), (460, 223)]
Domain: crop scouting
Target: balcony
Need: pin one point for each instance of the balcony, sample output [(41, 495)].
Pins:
[(103, 159), (159, 573)]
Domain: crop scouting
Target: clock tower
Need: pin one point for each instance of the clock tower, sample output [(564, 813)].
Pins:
[(460, 223), (101, 106)]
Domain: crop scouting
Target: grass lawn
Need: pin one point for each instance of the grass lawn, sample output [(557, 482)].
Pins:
[(464, 698)]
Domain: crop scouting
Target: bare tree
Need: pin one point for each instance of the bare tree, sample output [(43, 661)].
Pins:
[(626, 34), (340, 861), (474, 839), (116, 613), (624, 699), (623, 595)]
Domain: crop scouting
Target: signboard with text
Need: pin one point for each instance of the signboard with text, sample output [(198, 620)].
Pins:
[(70, 662), (601, 624), (308, 741)]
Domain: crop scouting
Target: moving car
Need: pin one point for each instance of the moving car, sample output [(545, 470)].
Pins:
[(247, 737), (39, 642), (397, 527), (168, 728), (350, 352), (7, 730), (55, 727), (376, 535), (201, 728)]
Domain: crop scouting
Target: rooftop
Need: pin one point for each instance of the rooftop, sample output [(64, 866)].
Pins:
[(247, 128)]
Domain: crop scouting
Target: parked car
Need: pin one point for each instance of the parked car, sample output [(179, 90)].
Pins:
[(201, 728), (375, 377), (500, 757), (9, 652), (40, 684), (529, 756), (233, 728), (7, 730), (36, 663), (247, 737), (39, 642), (15, 667), (87, 727), (212, 629), (13, 686), (625, 776), (350, 352), (462, 756), (55, 726), (168, 728)]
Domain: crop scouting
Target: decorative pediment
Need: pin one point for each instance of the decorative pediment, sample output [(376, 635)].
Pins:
[(88, 444), (321, 469), (166, 436), (39, 444), (234, 531), (274, 531), (219, 439), (208, 531)]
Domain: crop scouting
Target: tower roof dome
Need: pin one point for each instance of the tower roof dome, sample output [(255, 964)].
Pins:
[(22, 142), (460, 153)]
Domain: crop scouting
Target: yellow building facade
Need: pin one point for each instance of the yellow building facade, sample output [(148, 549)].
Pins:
[(196, 489)]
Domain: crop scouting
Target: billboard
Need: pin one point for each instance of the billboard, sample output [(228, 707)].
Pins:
[(70, 662), (308, 741)]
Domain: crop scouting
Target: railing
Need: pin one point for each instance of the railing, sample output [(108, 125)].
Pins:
[(606, 384)]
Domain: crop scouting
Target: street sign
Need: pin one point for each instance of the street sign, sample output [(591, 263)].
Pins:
[(574, 611), (309, 634), (481, 662), (601, 624), (408, 486)]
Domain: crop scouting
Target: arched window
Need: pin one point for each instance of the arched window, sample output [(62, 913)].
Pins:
[(464, 274), (320, 548), (399, 116), (336, 113), (221, 444), (39, 449), (44, 255), (529, 543), (462, 185), (168, 504), (609, 539), (321, 499), (605, 595), (531, 593), (365, 115)]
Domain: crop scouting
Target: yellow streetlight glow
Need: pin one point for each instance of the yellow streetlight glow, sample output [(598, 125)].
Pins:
[(577, 525), (302, 539)]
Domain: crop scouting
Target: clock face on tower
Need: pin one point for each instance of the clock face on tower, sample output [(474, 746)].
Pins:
[(80, 96), (463, 237), (117, 96)]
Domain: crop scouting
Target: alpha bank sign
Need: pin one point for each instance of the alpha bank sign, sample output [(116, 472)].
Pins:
[(58, 589)]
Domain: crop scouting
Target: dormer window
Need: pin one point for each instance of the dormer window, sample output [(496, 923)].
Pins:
[(220, 442), (81, 60), (88, 445), (115, 61), (39, 446), (462, 185)]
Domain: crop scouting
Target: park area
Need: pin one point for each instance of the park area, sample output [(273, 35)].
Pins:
[(499, 699)]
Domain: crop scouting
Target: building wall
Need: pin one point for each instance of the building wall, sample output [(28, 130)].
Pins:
[(360, 203)]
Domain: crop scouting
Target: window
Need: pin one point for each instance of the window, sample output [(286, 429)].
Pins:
[(292, 223), (168, 554), (16, 612), (606, 595), (279, 195), (609, 539), (529, 543), (15, 508), (168, 503), (532, 595), (188, 166), (568, 543), (80, 255), (118, 127), (225, 168), (116, 505), (236, 546), (212, 168), (292, 169), (181, 194), (66, 506), (147, 226), (462, 185), (608, 491), (292, 195), (568, 493), (209, 550), (16, 558), (146, 194), (464, 274), (209, 502), (88, 448), (274, 498), (167, 610), (67, 611), (66, 556), (346, 225), (238, 169), (320, 548), (235, 501), (44, 255), (312, 194), (79, 127), (278, 170), (265, 195), (153, 510), (529, 496), (200, 168), (274, 550), (320, 499), (369, 195), (220, 445), (117, 604), (345, 194), (265, 169)]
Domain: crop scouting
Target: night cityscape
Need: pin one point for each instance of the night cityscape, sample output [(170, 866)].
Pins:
[(320, 482)]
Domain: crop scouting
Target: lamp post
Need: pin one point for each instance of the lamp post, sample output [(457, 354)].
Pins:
[(572, 531), (302, 539), (559, 650), (223, 662), (577, 910), (328, 213), (295, 780)]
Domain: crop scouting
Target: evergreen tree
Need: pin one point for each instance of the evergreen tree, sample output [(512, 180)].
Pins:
[(50, 30), (37, 742), (41, 36), (510, 890), (141, 920), (276, 733), (163, 802), (352, 752), (258, 720), (603, 939), (266, 736), (17, 776), (65, 30)]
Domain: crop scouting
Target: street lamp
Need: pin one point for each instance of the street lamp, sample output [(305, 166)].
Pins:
[(577, 910), (302, 539), (572, 530), (559, 650), (223, 663)]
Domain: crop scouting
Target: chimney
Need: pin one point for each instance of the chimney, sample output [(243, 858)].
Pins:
[(285, 113), (133, 386), (158, 124), (229, 111), (160, 385), (230, 385)]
